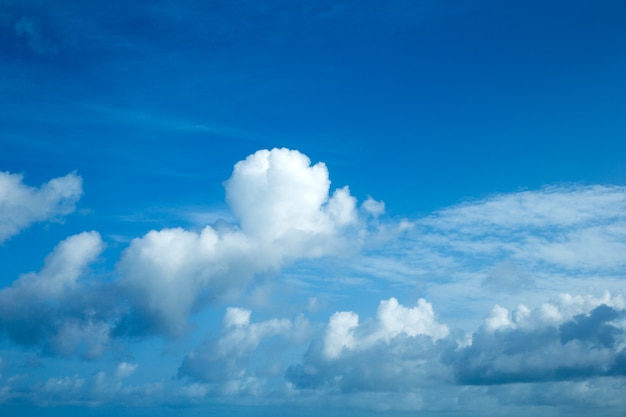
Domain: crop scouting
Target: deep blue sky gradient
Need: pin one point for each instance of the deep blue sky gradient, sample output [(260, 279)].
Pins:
[(451, 92)]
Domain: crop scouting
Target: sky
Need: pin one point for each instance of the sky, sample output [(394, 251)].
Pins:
[(355, 208)]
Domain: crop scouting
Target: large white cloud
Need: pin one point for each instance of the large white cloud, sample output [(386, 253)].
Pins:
[(278, 192), (21, 205), (285, 213)]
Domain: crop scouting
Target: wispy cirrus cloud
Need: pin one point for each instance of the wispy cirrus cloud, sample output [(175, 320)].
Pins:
[(569, 227), (553, 239)]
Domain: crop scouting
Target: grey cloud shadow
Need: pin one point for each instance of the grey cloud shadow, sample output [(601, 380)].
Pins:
[(583, 347)]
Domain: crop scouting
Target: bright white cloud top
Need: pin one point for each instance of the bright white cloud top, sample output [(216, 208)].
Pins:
[(284, 213), (519, 291)]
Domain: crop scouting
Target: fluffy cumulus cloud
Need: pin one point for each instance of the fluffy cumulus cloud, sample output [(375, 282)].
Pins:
[(407, 350), (284, 213), (394, 352), (277, 195), (393, 319), (22, 205), (52, 307), (167, 273)]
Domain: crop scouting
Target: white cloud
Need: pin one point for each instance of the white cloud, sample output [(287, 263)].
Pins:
[(166, 272), (125, 369), (405, 349), (393, 319), (373, 207), (61, 270), (396, 319), (21, 205), (242, 337), (498, 318), (589, 247), (563, 308), (549, 207), (397, 352), (285, 213), (340, 333), (574, 228), (507, 249), (51, 307), (237, 317), (278, 192), (568, 338)]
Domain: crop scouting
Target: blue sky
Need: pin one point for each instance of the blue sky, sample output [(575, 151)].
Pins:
[(294, 208)]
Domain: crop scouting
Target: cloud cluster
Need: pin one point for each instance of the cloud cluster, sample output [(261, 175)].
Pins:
[(21, 205), (571, 338), (404, 357), (284, 213), (395, 352), (406, 350)]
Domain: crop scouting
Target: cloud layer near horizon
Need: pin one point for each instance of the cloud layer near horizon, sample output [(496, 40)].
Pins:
[(504, 295)]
